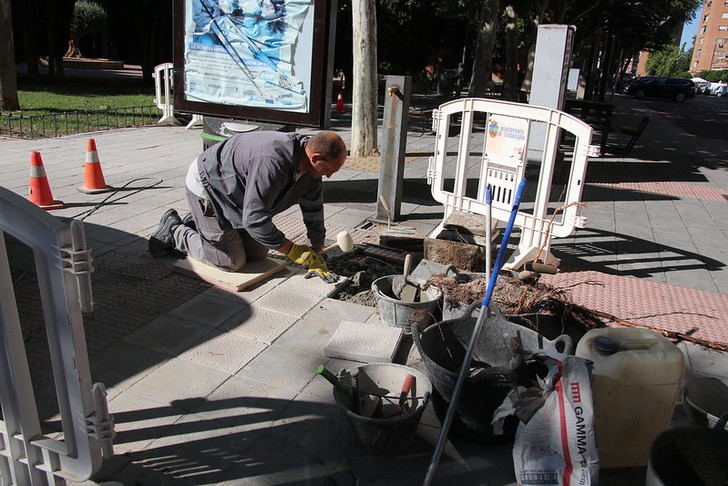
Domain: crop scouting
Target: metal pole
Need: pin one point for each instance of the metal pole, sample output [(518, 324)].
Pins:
[(394, 143)]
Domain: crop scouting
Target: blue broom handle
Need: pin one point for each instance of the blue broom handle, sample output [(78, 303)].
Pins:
[(504, 244)]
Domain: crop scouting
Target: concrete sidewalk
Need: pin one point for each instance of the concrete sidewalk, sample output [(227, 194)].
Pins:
[(210, 387)]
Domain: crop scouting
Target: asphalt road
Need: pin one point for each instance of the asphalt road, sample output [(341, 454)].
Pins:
[(705, 116)]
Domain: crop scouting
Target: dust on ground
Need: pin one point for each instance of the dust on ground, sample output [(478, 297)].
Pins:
[(362, 270)]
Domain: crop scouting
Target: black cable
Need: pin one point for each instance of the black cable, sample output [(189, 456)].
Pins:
[(104, 201)]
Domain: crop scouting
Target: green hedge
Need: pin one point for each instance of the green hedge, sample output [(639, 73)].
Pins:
[(714, 76)]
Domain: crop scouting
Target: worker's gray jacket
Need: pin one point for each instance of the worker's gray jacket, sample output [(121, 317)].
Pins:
[(251, 176)]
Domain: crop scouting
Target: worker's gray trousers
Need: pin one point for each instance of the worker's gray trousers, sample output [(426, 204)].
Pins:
[(228, 249)]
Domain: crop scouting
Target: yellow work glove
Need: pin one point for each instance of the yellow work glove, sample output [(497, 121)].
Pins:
[(308, 257)]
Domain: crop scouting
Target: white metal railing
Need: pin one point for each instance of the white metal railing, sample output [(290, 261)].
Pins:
[(503, 163), (63, 265)]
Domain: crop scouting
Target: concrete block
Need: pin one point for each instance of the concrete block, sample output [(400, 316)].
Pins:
[(226, 352), (168, 334), (369, 343), (287, 301), (179, 379), (259, 324), (282, 367)]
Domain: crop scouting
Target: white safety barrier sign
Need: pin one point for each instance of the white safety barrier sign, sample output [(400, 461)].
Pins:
[(501, 156)]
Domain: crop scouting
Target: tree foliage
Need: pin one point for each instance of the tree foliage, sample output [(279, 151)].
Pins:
[(88, 18), (668, 61), (714, 76)]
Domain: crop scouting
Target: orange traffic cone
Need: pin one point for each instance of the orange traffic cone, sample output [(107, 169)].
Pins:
[(340, 102), (93, 178), (39, 190)]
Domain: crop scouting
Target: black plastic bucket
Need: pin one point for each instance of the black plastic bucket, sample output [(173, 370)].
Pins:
[(442, 347)]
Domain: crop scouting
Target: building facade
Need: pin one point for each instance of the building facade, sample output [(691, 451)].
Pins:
[(711, 41)]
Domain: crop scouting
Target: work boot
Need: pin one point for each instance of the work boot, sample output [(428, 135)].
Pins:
[(189, 221), (161, 242)]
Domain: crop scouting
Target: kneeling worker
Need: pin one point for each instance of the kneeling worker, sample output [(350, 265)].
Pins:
[(234, 189)]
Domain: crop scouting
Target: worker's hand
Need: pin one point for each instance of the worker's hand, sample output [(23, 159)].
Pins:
[(308, 257)]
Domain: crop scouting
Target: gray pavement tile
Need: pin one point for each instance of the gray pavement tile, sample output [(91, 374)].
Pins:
[(281, 367), (259, 324), (209, 309), (338, 309), (287, 301), (226, 352), (122, 365), (309, 335), (137, 421), (168, 334), (179, 379), (311, 286), (253, 405)]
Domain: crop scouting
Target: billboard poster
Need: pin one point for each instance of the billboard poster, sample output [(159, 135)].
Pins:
[(259, 59)]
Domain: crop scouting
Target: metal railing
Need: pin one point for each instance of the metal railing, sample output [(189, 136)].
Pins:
[(78, 121)]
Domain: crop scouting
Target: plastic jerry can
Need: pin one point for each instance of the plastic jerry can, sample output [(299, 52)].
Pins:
[(636, 380)]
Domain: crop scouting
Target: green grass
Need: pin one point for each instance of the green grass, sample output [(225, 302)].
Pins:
[(48, 111), (46, 100)]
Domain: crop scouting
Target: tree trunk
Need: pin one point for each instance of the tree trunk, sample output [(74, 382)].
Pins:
[(510, 81), (8, 80), (484, 44), (364, 92)]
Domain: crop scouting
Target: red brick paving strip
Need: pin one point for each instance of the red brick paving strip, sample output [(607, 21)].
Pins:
[(699, 313), (667, 188)]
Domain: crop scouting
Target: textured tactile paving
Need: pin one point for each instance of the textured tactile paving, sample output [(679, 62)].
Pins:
[(698, 313), (667, 188)]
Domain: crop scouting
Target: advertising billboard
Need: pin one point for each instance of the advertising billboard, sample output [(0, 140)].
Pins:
[(265, 60)]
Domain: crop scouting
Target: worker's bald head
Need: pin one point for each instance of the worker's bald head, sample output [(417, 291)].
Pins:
[(326, 152)]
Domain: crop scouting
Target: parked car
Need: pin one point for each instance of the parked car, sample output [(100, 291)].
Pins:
[(702, 87), (720, 90), (677, 89)]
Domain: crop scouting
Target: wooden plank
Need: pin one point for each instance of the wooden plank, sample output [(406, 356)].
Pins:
[(249, 275)]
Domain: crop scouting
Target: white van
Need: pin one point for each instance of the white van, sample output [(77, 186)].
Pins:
[(721, 90)]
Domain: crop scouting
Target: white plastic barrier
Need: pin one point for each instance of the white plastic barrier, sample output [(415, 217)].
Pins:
[(503, 162), (63, 267), (163, 79)]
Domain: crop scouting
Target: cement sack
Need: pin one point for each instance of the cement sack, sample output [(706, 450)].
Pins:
[(554, 443)]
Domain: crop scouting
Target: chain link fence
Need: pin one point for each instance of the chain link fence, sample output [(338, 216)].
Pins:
[(79, 121)]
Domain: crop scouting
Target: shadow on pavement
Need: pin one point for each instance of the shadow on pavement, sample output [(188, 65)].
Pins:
[(618, 254), (275, 441)]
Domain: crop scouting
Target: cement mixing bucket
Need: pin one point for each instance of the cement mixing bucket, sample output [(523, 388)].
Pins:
[(395, 312), (442, 347), (387, 435)]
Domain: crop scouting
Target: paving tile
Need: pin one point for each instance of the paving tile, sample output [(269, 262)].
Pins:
[(122, 365), (368, 343), (287, 301), (314, 286), (338, 309), (179, 379), (259, 324), (168, 334), (252, 404), (208, 309), (226, 352), (138, 421), (309, 335), (281, 367)]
